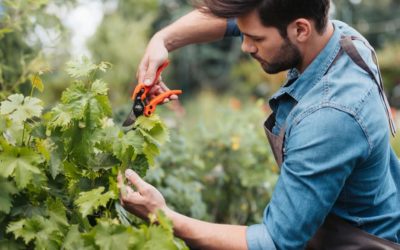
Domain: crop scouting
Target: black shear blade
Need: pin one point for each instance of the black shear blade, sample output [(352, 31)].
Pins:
[(130, 119)]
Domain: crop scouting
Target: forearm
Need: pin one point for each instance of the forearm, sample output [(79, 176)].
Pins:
[(195, 27), (204, 235)]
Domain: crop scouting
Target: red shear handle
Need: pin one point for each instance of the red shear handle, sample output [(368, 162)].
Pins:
[(151, 107), (141, 86)]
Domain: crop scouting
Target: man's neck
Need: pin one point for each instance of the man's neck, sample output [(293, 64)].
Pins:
[(316, 45)]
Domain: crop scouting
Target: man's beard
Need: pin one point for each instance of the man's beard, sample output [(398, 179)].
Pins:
[(288, 57)]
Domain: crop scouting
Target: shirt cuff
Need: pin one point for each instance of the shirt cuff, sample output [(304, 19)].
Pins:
[(258, 238), (232, 29)]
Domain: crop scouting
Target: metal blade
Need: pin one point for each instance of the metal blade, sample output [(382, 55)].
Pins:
[(130, 119)]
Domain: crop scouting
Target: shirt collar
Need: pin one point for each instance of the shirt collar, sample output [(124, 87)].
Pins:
[(297, 88)]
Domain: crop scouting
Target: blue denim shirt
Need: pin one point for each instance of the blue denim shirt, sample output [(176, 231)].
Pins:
[(337, 154)]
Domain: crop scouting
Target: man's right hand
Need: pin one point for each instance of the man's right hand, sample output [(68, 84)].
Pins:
[(195, 27), (156, 54)]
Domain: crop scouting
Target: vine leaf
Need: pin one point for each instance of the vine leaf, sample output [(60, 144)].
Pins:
[(90, 201), (36, 228), (20, 163), (37, 82), (73, 240), (6, 190), (80, 68), (20, 108), (109, 236), (99, 87)]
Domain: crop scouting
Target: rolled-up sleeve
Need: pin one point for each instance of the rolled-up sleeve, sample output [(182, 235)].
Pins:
[(232, 29), (258, 238), (321, 152)]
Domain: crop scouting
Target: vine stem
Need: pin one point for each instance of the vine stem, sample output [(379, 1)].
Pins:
[(23, 134), (32, 90)]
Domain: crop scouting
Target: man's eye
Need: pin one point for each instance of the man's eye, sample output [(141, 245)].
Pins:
[(258, 39)]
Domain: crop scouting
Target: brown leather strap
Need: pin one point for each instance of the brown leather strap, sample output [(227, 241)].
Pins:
[(338, 234), (348, 46)]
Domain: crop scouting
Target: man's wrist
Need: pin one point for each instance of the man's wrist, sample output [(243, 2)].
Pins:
[(163, 37)]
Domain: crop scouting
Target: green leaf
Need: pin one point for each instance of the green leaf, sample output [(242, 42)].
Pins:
[(157, 135), (20, 230), (10, 105), (75, 100), (151, 151), (6, 190), (122, 214), (74, 93), (147, 123), (103, 66), (159, 238), (57, 212), (109, 236), (10, 244), (37, 82), (90, 201), (73, 240), (20, 109), (132, 139), (164, 222), (99, 87), (140, 165), (38, 228), (61, 117), (20, 163), (80, 68)]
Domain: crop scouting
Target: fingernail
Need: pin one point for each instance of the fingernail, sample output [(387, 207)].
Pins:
[(128, 172), (147, 82)]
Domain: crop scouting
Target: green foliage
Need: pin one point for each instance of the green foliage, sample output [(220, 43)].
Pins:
[(91, 200), (218, 165), (20, 47), (58, 170), (20, 108)]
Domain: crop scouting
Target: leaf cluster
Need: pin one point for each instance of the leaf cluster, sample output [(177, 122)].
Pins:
[(58, 170)]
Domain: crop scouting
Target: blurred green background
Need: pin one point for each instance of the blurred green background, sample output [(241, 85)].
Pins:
[(218, 165)]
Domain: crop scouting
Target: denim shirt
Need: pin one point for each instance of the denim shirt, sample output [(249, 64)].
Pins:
[(337, 153)]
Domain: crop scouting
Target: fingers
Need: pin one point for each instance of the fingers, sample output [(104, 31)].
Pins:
[(142, 69), (136, 181), (128, 195), (151, 73)]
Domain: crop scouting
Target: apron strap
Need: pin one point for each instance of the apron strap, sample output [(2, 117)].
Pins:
[(348, 46)]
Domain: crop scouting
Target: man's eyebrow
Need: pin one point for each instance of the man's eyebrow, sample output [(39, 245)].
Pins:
[(252, 36)]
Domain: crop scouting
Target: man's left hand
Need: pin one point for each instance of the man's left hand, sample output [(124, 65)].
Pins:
[(142, 201)]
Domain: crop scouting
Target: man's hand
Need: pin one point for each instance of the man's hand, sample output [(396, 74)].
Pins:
[(146, 199), (156, 54), (142, 201)]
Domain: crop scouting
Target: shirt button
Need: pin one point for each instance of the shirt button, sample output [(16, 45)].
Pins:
[(284, 150)]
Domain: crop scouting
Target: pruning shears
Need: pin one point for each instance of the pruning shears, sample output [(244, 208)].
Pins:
[(141, 104)]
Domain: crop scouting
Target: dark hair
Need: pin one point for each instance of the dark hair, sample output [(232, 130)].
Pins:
[(275, 13)]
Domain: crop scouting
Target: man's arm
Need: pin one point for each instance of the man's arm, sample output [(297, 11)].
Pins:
[(199, 234), (195, 27), (205, 235)]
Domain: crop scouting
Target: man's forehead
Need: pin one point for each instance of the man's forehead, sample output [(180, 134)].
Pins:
[(250, 24), (250, 20)]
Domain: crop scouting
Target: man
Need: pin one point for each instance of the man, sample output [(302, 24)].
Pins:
[(330, 130)]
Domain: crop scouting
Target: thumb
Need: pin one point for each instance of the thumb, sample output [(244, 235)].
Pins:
[(135, 179), (150, 74)]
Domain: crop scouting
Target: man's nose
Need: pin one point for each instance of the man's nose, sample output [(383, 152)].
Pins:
[(248, 47)]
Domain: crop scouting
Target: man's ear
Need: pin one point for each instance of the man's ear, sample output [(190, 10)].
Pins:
[(300, 30)]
